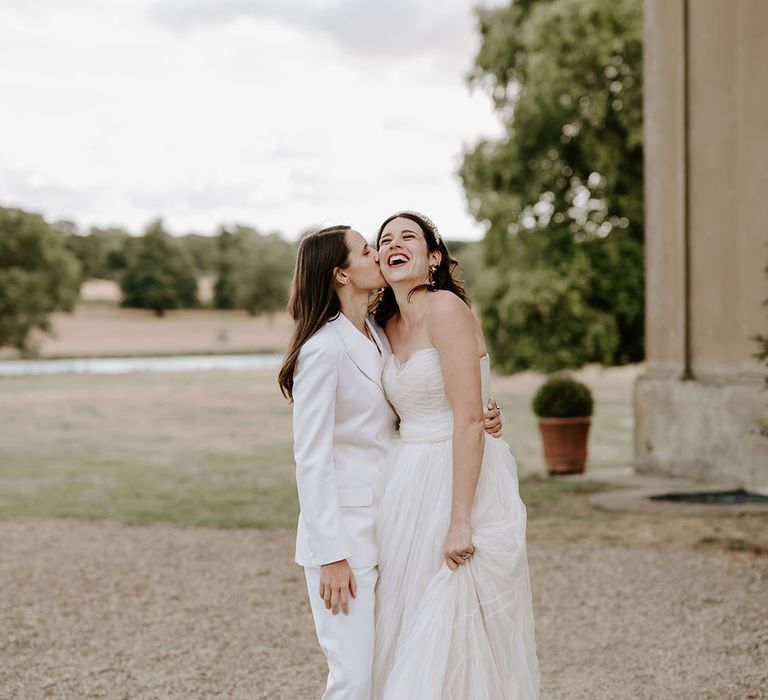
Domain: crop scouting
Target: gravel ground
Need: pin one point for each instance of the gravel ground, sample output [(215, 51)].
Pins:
[(101, 610)]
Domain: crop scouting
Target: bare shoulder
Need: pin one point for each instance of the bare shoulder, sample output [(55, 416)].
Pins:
[(446, 306), (448, 315)]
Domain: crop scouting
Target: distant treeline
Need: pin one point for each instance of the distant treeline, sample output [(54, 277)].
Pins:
[(251, 270), (42, 266), (159, 271)]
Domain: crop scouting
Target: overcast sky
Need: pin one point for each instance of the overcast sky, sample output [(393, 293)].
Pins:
[(281, 114)]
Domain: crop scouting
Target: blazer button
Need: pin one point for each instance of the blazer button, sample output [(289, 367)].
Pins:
[(380, 466)]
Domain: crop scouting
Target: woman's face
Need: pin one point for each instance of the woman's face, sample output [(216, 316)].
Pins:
[(362, 267), (403, 252)]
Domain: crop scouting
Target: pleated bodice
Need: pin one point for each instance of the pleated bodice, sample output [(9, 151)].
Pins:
[(416, 390)]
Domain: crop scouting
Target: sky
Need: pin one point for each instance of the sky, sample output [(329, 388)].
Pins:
[(280, 114)]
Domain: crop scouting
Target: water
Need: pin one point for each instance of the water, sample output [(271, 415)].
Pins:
[(126, 365)]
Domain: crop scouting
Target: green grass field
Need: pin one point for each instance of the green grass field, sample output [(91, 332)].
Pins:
[(208, 448)]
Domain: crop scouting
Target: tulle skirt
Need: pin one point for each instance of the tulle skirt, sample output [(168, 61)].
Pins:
[(466, 634)]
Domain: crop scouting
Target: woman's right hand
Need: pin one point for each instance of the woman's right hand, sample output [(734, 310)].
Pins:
[(458, 547), (337, 582)]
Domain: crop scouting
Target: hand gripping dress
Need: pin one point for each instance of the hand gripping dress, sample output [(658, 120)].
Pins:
[(466, 634)]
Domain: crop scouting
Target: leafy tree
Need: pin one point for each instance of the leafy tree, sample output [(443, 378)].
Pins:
[(101, 252), (267, 276), (562, 190), (38, 275), (160, 274), (202, 251), (113, 243), (230, 253), (253, 270), (472, 267)]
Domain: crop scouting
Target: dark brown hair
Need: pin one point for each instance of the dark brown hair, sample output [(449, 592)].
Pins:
[(313, 300), (443, 277)]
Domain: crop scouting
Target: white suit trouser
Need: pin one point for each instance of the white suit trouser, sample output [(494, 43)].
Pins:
[(346, 640)]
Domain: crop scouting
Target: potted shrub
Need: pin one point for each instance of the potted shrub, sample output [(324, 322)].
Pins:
[(564, 407)]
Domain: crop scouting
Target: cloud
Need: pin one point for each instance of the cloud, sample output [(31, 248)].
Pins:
[(20, 187), (278, 114), (396, 29)]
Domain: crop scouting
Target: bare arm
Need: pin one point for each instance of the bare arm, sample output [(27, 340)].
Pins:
[(451, 328)]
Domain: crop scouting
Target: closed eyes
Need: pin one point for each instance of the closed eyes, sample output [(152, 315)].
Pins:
[(387, 239)]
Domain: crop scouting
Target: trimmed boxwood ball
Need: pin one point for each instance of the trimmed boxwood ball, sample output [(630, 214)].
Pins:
[(561, 396)]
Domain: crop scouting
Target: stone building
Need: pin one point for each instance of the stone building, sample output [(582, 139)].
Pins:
[(700, 403)]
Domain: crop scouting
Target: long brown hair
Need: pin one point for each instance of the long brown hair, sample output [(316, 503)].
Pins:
[(442, 278), (313, 300)]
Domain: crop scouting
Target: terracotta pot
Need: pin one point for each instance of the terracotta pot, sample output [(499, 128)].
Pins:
[(565, 444)]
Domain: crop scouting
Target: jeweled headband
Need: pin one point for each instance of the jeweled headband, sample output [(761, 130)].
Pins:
[(424, 218)]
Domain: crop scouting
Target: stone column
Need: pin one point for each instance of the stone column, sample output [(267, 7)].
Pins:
[(701, 403)]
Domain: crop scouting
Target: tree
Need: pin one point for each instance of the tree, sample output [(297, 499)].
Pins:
[(202, 251), (253, 270), (472, 267), (101, 252), (562, 191), (160, 274), (267, 276), (229, 259), (37, 276)]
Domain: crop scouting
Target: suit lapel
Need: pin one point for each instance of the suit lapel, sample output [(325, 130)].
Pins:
[(380, 338), (360, 350)]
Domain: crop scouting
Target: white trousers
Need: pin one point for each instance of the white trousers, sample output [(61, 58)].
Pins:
[(346, 640)]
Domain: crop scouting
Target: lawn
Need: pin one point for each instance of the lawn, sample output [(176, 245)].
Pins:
[(207, 448), (98, 329)]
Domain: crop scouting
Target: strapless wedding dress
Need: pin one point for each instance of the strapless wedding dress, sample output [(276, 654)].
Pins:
[(466, 634)]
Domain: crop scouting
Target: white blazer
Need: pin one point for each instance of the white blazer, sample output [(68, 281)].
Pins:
[(343, 427)]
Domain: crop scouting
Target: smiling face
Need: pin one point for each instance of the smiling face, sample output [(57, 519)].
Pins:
[(362, 270), (404, 255)]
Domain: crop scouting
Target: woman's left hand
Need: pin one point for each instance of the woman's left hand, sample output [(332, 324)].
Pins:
[(458, 547)]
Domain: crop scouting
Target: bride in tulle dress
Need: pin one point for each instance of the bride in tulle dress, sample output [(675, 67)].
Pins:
[(454, 618)]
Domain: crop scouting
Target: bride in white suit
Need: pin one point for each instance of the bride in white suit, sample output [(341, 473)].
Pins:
[(343, 427)]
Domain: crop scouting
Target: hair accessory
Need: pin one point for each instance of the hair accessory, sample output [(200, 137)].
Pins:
[(425, 219)]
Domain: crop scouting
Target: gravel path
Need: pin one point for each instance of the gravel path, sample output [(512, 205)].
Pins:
[(101, 610)]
